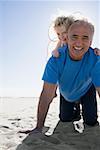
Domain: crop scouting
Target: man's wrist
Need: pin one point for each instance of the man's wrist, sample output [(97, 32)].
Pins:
[(38, 127)]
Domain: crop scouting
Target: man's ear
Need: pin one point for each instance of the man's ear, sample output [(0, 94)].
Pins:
[(90, 42)]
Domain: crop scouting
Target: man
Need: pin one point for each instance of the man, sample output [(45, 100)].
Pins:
[(77, 73)]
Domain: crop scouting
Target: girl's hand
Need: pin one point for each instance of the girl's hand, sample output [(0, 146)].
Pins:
[(55, 53), (97, 51)]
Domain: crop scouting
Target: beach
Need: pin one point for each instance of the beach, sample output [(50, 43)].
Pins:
[(18, 114)]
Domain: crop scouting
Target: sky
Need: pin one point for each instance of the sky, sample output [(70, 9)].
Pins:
[(24, 40)]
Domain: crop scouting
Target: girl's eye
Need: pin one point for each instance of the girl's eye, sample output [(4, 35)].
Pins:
[(58, 34)]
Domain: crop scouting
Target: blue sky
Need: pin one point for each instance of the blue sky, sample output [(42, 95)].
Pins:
[(24, 40)]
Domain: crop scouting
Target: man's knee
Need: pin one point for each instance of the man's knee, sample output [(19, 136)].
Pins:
[(65, 118), (91, 122)]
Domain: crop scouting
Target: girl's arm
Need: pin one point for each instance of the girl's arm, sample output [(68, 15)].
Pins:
[(55, 52)]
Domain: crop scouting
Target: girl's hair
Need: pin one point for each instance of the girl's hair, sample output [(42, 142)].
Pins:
[(65, 21)]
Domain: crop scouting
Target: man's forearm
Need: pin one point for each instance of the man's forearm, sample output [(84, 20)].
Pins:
[(43, 107), (98, 90)]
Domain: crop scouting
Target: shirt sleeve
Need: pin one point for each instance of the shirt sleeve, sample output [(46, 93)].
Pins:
[(50, 74), (62, 49), (96, 74)]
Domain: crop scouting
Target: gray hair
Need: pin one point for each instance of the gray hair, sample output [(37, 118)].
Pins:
[(85, 23)]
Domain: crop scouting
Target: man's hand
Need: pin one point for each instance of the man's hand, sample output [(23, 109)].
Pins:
[(33, 131)]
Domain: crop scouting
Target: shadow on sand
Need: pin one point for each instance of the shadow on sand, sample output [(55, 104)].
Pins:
[(63, 138)]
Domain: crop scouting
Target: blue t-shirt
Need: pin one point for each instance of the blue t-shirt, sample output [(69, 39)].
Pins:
[(73, 77)]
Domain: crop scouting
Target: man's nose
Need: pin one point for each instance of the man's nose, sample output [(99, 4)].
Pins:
[(79, 42)]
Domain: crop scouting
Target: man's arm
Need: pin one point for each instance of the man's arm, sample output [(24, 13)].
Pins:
[(98, 90), (46, 98)]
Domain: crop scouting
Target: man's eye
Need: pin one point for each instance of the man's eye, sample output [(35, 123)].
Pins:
[(85, 38), (74, 37)]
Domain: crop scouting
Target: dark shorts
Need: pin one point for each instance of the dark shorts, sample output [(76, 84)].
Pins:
[(71, 111)]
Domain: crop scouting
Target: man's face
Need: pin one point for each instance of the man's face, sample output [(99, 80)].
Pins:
[(61, 33), (79, 40)]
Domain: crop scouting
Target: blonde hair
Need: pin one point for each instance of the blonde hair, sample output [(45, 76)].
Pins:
[(65, 21)]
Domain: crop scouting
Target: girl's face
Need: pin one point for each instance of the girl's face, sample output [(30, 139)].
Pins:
[(61, 33)]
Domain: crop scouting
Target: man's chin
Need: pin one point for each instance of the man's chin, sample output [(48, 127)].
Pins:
[(75, 58)]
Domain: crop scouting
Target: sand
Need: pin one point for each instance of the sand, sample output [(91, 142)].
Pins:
[(18, 114)]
